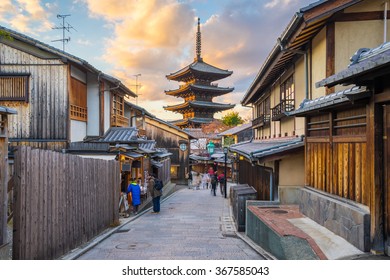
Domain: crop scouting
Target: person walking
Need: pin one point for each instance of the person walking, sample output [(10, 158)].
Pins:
[(221, 181), (135, 191), (213, 179), (156, 194)]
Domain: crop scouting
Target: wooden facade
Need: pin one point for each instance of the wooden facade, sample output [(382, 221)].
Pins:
[(170, 138), (336, 153), (354, 135), (259, 177), (59, 98)]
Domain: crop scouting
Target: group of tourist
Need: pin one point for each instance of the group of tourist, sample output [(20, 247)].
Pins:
[(208, 180), (134, 190)]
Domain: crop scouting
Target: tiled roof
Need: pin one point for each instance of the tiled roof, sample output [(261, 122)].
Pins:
[(236, 129), (198, 133), (364, 61), (257, 150), (121, 135), (201, 66), (330, 100), (210, 89), (203, 104)]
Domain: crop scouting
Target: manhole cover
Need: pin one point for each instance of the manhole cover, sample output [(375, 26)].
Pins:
[(279, 211), (132, 246), (122, 230)]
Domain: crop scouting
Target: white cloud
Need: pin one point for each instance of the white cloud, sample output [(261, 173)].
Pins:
[(28, 16)]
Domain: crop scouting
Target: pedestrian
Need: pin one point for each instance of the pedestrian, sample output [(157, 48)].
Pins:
[(221, 181), (156, 194), (205, 178), (135, 191), (189, 177), (213, 179)]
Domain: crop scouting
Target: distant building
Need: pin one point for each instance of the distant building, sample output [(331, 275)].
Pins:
[(198, 91)]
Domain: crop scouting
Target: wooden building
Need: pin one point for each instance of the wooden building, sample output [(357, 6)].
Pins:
[(198, 91), (174, 140), (316, 43), (4, 112), (60, 98), (239, 133), (347, 146)]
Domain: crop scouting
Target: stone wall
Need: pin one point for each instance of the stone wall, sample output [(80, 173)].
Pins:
[(344, 217)]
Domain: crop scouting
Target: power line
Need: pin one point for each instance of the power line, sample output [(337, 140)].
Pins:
[(65, 27)]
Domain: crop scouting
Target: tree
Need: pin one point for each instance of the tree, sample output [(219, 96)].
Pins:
[(232, 119)]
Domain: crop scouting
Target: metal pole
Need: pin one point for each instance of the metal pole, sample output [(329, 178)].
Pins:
[(225, 173)]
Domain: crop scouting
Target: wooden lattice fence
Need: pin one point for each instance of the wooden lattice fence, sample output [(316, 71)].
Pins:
[(61, 201)]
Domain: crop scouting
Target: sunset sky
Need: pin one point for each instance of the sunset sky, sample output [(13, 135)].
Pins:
[(157, 37)]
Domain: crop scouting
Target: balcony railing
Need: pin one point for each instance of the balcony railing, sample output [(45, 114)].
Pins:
[(78, 113), (262, 120), (119, 121), (286, 105)]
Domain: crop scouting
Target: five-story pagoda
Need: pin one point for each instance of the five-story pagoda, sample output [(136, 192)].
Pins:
[(198, 91)]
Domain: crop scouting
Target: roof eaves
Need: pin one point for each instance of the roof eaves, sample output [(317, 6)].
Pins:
[(270, 60)]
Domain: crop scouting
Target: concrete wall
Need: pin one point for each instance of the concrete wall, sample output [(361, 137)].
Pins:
[(318, 62), (292, 170)]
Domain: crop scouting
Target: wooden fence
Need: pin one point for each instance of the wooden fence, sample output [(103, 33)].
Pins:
[(61, 201)]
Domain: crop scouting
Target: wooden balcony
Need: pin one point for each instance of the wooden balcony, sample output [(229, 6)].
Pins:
[(262, 120), (78, 113), (119, 121), (278, 112)]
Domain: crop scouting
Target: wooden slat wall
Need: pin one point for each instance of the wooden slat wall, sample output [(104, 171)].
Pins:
[(257, 177), (61, 201), (45, 115), (336, 158)]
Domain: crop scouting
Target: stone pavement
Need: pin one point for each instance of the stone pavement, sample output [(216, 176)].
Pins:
[(192, 225)]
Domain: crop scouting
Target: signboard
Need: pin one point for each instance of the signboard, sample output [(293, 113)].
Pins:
[(126, 167)]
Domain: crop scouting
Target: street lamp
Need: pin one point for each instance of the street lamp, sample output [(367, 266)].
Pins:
[(210, 147), (225, 151)]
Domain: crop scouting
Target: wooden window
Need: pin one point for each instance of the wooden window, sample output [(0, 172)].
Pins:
[(14, 87), (78, 100), (117, 118), (287, 89), (287, 99)]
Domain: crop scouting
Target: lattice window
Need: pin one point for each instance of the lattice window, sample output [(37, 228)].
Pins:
[(117, 116), (14, 87)]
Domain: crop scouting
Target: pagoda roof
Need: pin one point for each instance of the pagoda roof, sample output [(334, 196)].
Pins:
[(202, 68), (212, 89), (182, 122), (200, 104)]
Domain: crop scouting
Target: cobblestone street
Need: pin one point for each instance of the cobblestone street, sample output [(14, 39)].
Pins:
[(192, 225)]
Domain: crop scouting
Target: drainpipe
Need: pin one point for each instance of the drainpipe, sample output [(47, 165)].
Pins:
[(385, 23)]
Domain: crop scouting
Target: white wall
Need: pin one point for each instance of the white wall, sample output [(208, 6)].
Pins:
[(107, 110), (78, 130), (93, 105)]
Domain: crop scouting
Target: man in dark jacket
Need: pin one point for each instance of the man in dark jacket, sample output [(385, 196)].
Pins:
[(156, 194)]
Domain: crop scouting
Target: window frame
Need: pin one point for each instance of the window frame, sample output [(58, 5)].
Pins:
[(26, 86)]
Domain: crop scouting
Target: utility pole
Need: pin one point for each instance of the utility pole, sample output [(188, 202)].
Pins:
[(136, 87), (68, 27)]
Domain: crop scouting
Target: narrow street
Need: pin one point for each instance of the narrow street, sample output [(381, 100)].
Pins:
[(192, 225)]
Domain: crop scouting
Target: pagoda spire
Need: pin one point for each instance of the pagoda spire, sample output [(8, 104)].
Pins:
[(198, 43)]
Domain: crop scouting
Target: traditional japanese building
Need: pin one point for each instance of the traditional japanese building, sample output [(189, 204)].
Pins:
[(198, 90)]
